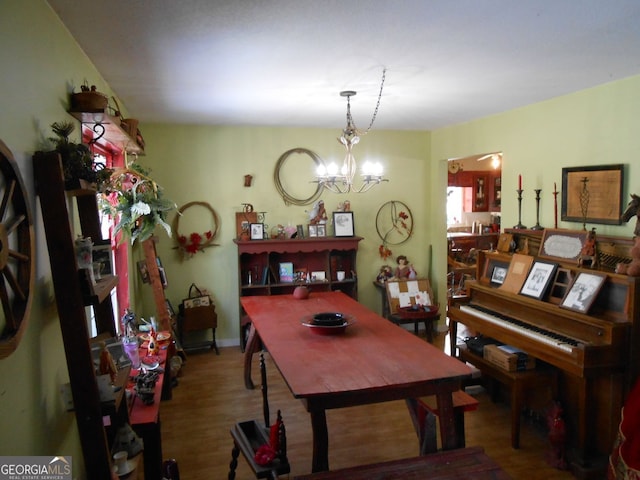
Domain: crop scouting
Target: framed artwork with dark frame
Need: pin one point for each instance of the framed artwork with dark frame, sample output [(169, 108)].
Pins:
[(583, 291), (313, 230), (539, 279), (592, 194), (343, 224), (257, 231), (322, 230)]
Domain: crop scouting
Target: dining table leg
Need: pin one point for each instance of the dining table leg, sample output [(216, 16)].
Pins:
[(320, 461), (448, 430), (252, 346)]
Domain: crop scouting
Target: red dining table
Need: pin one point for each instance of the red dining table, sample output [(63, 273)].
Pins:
[(372, 361)]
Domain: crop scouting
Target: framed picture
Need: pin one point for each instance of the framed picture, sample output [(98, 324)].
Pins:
[(102, 255), (592, 194), (286, 272), (318, 276), (343, 224), (498, 274), (322, 230), (143, 271), (313, 230), (244, 221), (517, 273), (562, 245), (583, 291), (257, 231), (539, 279)]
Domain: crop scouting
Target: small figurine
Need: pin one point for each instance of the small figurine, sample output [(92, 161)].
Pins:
[(404, 270), (152, 349), (318, 215), (344, 206), (385, 274)]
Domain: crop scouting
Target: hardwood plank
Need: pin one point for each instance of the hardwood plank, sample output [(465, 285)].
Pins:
[(211, 397)]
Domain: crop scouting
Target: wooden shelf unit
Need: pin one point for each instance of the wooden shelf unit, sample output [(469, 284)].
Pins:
[(71, 292), (261, 259)]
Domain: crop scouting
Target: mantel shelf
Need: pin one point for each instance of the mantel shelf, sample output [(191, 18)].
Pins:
[(113, 132)]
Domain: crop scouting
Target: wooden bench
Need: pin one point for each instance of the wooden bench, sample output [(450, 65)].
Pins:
[(449, 465), (425, 424), (517, 383)]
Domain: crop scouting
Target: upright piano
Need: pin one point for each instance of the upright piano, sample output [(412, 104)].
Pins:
[(595, 352)]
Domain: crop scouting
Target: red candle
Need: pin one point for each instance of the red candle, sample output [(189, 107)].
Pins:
[(519, 182)]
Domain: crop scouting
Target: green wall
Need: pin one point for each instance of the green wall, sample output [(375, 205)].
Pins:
[(208, 164), (597, 126), (42, 63)]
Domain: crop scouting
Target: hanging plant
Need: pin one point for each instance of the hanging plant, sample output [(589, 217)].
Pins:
[(137, 201), (189, 245)]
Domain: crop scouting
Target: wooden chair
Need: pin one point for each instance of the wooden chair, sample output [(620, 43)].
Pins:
[(250, 435), (400, 315)]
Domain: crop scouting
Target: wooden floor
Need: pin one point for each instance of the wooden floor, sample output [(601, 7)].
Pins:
[(211, 397)]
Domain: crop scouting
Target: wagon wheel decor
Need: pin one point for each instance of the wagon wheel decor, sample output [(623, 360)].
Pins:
[(189, 245), (17, 255), (394, 224)]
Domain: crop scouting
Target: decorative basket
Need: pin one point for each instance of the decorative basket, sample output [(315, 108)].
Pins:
[(88, 101)]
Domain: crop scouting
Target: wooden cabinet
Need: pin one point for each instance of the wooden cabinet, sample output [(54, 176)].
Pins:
[(260, 264), (74, 291), (480, 192), (495, 190)]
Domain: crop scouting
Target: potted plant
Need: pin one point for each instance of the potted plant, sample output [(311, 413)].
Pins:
[(77, 160), (137, 200)]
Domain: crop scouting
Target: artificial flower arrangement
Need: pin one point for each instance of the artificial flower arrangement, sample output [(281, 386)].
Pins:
[(137, 201), (194, 243)]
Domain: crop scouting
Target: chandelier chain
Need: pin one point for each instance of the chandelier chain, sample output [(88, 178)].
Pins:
[(375, 112)]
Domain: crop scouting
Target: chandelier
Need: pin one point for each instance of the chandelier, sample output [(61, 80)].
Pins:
[(342, 180)]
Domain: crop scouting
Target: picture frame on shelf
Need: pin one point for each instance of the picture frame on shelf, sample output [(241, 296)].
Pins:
[(517, 273), (257, 231), (285, 270), (322, 230), (343, 224), (313, 230), (498, 274), (583, 291), (539, 279), (318, 276)]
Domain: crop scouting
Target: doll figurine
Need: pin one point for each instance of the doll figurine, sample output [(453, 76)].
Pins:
[(404, 270), (385, 274)]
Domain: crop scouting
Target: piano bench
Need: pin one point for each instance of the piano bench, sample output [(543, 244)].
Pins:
[(426, 421), (517, 382)]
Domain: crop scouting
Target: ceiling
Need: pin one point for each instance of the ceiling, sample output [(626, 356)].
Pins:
[(284, 62)]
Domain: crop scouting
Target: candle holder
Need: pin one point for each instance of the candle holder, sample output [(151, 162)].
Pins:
[(520, 225), (537, 226)]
